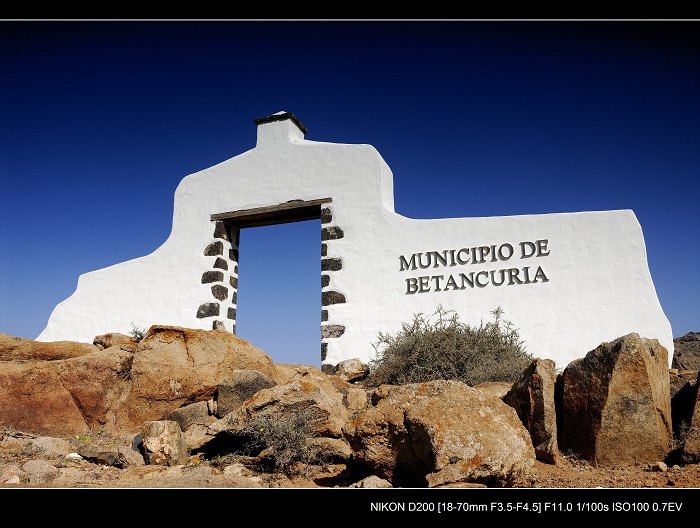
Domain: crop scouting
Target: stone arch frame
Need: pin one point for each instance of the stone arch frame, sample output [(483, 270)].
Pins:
[(227, 228)]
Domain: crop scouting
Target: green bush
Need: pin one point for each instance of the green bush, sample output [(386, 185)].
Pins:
[(442, 347)]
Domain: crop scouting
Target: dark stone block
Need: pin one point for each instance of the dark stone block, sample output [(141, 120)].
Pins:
[(324, 351), (324, 250), (212, 276), (233, 281), (220, 292), (331, 264), (218, 325), (332, 297), (331, 233), (220, 231), (327, 369), (231, 313), (332, 331), (324, 315), (326, 215), (221, 264), (325, 280), (208, 310), (213, 249), (234, 297)]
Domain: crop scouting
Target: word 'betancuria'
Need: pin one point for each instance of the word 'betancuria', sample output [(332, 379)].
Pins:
[(471, 256)]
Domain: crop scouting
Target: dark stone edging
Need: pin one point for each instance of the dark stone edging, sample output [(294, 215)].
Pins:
[(332, 331), (212, 276), (208, 310)]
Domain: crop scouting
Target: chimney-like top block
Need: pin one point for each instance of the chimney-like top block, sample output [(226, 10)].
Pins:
[(281, 116)]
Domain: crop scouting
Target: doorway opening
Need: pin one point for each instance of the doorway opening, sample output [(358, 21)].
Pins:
[(278, 298)]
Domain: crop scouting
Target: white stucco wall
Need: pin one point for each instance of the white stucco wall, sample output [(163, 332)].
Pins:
[(598, 286)]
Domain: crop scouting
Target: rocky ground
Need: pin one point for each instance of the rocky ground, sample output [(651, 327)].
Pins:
[(51, 469)]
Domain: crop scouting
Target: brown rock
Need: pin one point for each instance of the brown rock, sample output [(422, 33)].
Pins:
[(351, 370), (686, 355), (690, 452), (64, 397), (98, 384), (176, 366), (33, 399), (237, 388), (321, 400), (532, 397), (431, 434), (683, 397), (163, 443), (113, 339), (616, 403), (499, 388), (19, 349)]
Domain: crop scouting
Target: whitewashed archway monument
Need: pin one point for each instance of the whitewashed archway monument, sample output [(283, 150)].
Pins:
[(567, 281)]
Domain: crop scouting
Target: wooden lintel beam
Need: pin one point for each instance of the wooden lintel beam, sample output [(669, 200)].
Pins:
[(292, 211)]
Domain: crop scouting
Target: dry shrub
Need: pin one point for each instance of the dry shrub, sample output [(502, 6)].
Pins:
[(281, 441), (442, 347)]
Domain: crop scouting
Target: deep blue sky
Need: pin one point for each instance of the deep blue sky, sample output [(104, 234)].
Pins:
[(99, 122)]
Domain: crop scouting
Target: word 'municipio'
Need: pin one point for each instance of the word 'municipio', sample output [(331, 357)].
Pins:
[(474, 255)]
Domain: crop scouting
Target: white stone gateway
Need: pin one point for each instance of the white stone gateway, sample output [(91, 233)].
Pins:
[(567, 281)]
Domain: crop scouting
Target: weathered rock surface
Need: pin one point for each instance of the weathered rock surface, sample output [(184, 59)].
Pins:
[(238, 387), (499, 388), (616, 405), (114, 339), (532, 397), (176, 366), (683, 397), (430, 434), (66, 396), (311, 391), (121, 387), (209, 383), (194, 420), (690, 452), (372, 481), (163, 443), (686, 355), (19, 349), (351, 370)]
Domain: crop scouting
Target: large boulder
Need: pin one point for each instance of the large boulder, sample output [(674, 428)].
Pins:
[(686, 355), (64, 397), (616, 404), (237, 388), (69, 388), (176, 366), (684, 392), (194, 419), (690, 452), (441, 432), (299, 421), (351, 370), (532, 397), (19, 349), (310, 391), (163, 443)]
